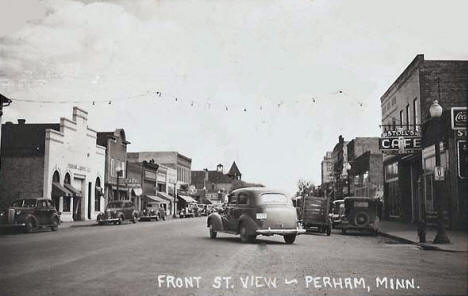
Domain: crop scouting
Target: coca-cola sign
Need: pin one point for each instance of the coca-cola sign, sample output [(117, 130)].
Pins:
[(458, 118)]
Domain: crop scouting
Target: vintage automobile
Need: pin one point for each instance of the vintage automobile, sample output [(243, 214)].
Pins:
[(117, 212), (361, 213), (31, 214), (153, 211), (256, 211), (337, 212), (315, 216)]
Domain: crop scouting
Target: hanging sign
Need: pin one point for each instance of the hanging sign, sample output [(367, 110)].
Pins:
[(439, 173), (458, 118)]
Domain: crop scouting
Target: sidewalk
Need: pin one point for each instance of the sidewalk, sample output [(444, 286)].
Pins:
[(408, 233)]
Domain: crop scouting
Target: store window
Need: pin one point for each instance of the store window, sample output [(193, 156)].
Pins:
[(391, 171)]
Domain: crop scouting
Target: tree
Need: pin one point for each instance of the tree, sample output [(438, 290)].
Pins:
[(304, 187)]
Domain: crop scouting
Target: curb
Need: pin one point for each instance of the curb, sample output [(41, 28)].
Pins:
[(423, 246)]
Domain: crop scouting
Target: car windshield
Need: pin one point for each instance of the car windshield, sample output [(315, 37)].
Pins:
[(114, 205), (29, 203), (274, 199)]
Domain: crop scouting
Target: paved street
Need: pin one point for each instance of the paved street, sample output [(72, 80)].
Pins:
[(129, 259)]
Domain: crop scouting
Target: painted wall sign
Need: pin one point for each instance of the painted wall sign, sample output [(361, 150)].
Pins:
[(79, 168), (458, 117)]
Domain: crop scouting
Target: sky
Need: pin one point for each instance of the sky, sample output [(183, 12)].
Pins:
[(269, 84)]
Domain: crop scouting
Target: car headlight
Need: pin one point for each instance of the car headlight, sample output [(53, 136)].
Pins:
[(18, 212)]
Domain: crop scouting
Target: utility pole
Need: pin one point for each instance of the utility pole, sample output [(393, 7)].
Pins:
[(4, 102)]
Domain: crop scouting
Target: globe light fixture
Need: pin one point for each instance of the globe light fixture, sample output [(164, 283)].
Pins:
[(435, 110)]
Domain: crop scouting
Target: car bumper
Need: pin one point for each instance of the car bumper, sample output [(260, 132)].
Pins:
[(108, 220), (270, 231), (149, 217), (12, 225)]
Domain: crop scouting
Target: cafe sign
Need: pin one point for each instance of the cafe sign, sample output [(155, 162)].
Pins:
[(458, 118), (400, 141)]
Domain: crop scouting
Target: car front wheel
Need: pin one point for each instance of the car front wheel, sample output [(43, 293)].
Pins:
[(29, 227), (213, 233), (289, 238), (55, 224)]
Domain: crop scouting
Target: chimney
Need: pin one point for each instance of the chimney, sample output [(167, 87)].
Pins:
[(21, 121)]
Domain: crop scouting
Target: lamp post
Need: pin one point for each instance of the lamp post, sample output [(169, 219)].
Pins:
[(441, 237)]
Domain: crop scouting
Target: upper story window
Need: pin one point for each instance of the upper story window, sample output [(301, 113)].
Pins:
[(415, 113), (408, 116)]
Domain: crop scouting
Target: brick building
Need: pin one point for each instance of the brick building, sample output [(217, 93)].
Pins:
[(117, 186), (58, 161), (409, 176), (366, 170), (213, 185)]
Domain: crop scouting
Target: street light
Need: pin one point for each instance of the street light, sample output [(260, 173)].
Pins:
[(441, 237)]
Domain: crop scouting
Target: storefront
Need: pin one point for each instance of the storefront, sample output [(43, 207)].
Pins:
[(74, 168), (450, 180)]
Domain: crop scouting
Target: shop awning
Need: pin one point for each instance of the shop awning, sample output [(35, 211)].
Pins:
[(59, 190), (75, 192), (187, 198), (155, 198), (165, 196), (137, 191)]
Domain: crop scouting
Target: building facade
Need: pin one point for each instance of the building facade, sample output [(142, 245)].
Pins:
[(213, 185), (408, 140), (117, 186), (366, 170), (57, 161)]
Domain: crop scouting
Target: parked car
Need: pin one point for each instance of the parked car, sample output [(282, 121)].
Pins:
[(315, 214), (337, 212), (117, 212), (256, 211), (361, 213), (153, 211), (31, 214)]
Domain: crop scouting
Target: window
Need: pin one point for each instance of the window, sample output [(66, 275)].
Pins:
[(274, 199), (408, 119), (242, 199), (415, 113), (393, 101), (401, 118), (42, 204), (232, 199), (391, 171), (67, 179), (66, 203)]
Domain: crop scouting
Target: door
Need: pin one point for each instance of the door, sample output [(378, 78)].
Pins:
[(228, 215), (43, 212)]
